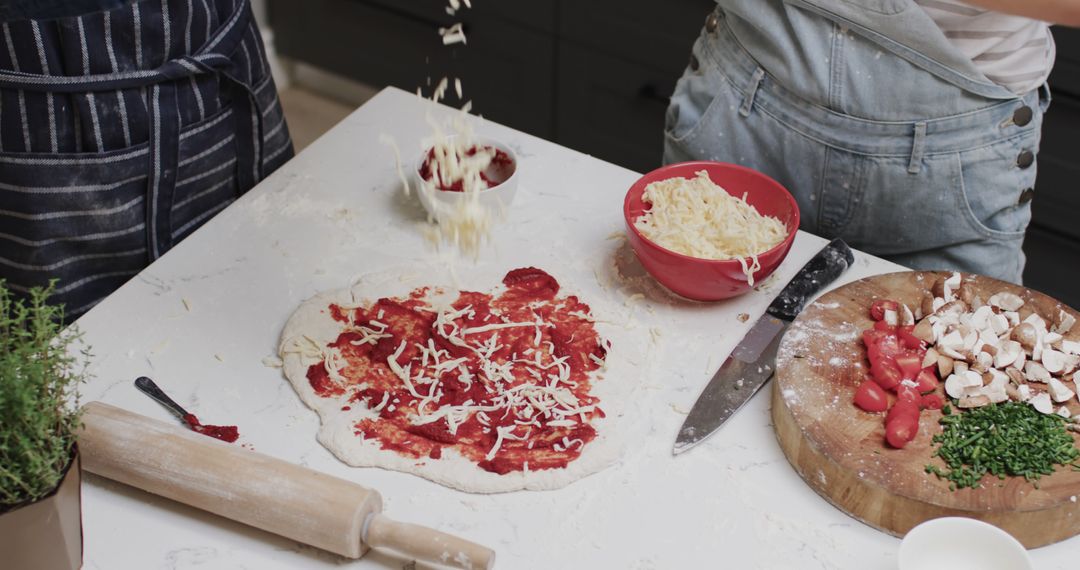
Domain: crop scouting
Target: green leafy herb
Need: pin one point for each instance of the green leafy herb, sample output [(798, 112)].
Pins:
[(39, 378), (1010, 439)]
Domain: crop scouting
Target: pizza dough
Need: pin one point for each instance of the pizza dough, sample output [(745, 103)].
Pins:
[(497, 392)]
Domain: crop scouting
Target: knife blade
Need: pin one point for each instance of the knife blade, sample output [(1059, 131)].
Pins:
[(751, 364)]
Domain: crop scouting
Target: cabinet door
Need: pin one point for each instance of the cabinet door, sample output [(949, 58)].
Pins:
[(1053, 241), (378, 46), (534, 14), (650, 32), (611, 108)]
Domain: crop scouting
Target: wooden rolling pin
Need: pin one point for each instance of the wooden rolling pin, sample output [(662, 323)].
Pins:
[(258, 490)]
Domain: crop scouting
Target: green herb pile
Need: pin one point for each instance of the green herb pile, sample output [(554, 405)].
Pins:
[(38, 396), (1010, 439)]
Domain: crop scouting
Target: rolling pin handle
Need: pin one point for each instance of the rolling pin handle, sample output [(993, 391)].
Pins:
[(425, 544)]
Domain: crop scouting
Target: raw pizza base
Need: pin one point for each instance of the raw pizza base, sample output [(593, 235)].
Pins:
[(615, 387)]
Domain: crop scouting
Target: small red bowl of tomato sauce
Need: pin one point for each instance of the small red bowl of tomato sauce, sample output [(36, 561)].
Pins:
[(498, 179)]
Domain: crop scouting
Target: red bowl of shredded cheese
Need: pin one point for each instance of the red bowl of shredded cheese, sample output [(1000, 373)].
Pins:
[(709, 230)]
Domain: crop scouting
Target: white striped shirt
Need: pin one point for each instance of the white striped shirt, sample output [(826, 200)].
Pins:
[(1012, 51)]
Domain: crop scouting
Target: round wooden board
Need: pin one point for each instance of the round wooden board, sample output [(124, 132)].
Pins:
[(840, 450)]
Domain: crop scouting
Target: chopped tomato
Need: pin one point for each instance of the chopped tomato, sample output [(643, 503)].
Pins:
[(884, 326), (871, 337), (901, 429), (907, 394), (932, 402), (927, 381), (885, 346), (908, 339), (870, 397), (909, 364), (886, 374), (877, 310)]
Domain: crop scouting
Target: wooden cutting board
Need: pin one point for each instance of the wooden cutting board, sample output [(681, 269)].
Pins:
[(840, 450)]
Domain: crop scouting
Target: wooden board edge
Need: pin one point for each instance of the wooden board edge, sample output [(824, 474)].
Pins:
[(897, 514)]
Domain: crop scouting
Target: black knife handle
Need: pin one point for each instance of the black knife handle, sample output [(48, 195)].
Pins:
[(832, 261)]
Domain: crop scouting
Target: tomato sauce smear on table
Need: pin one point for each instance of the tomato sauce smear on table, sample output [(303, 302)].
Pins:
[(504, 380)]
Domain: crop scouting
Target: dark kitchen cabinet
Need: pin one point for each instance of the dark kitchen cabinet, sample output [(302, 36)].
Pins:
[(595, 76), (1052, 243)]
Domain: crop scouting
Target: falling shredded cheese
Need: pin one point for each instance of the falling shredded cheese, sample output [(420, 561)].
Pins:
[(455, 34), (696, 217)]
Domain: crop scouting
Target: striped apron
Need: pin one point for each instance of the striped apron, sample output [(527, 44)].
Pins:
[(121, 132)]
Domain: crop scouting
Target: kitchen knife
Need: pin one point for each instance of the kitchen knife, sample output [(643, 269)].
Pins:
[(750, 365)]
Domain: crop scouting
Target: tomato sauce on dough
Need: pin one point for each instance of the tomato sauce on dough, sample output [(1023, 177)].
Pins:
[(503, 380)]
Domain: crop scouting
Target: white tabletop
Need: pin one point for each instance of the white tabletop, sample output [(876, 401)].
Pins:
[(201, 320)]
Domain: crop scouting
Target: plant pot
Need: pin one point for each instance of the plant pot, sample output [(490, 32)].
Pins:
[(46, 534)]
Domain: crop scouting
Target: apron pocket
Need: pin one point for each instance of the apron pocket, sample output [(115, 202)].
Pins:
[(77, 218)]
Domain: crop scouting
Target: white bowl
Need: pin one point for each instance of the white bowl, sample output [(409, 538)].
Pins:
[(960, 543), (496, 199)]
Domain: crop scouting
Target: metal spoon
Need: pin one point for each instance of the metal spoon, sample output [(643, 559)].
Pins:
[(147, 386)]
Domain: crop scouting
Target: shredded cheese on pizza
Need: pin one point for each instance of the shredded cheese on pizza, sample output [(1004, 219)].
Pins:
[(696, 217), (501, 379)]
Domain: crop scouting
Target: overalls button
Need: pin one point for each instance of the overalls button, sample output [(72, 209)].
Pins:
[(1025, 159), (1026, 195), (1022, 116), (711, 22), (694, 63)]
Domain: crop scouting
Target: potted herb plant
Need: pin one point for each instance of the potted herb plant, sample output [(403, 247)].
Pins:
[(40, 511)]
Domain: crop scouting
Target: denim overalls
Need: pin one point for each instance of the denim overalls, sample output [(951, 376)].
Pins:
[(886, 135)]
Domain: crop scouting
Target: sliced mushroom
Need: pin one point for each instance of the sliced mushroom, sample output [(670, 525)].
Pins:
[(930, 358), (1063, 322), (1015, 375), (926, 305), (1021, 361), (1025, 392), (906, 316), (976, 401), (1072, 362), (1064, 412), (924, 331), (1053, 361), (938, 288), (1036, 372), (1042, 403), (1052, 339), (960, 367), (1070, 347), (1006, 301), (1059, 391), (944, 366), (971, 379), (966, 293), (1025, 334), (891, 318), (1012, 391), (1007, 353), (1038, 322), (954, 281), (983, 362), (1013, 317), (955, 308), (954, 386), (980, 318), (999, 324)]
